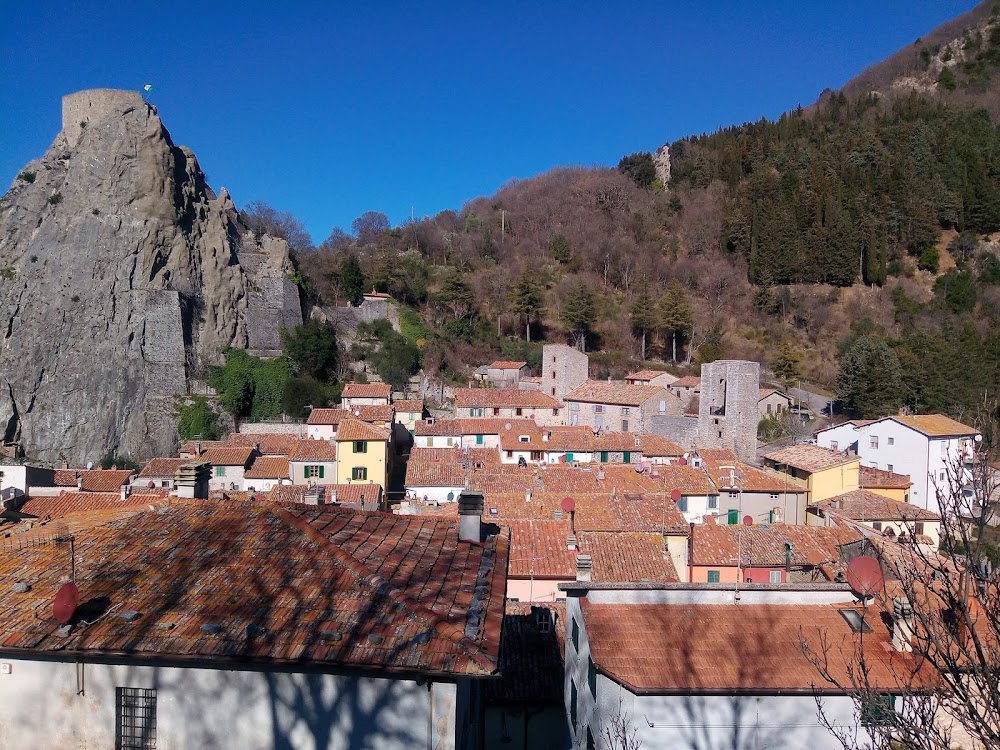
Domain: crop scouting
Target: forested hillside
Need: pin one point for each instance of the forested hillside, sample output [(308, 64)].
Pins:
[(861, 231)]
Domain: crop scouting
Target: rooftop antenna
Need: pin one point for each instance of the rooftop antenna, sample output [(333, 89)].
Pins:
[(735, 479)]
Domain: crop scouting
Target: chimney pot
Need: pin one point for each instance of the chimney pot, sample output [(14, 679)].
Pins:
[(571, 541), (902, 624), (584, 568), (470, 511)]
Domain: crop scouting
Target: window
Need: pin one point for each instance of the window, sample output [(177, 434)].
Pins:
[(359, 472), (135, 719), (360, 446), (856, 620), (892, 441), (220, 471), (555, 412), (682, 504), (519, 412), (451, 442), (543, 620), (918, 527), (889, 467), (574, 420), (574, 406), (713, 501), (768, 408), (941, 475), (510, 454), (663, 406), (479, 439), (775, 576), (553, 374), (553, 391), (592, 677), (576, 635), (873, 441), (774, 495), (713, 576), (625, 411), (536, 455), (476, 412), (877, 525), (833, 445), (624, 425), (313, 471), (523, 439), (878, 711)]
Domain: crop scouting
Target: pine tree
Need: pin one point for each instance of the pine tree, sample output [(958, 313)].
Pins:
[(579, 311), (643, 314), (675, 315), (526, 300)]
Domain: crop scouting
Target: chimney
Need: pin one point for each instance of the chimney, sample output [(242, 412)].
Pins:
[(788, 556), (571, 541), (126, 490), (197, 448), (527, 495), (79, 481), (584, 568), (902, 624), (470, 511)]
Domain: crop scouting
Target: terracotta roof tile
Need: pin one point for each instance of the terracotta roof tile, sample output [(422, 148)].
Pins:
[(538, 548), (328, 416), (506, 364), (721, 648), (162, 468), (348, 589), (614, 392), (192, 446), (753, 479), (355, 493), (865, 505), (809, 457), (354, 429), (659, 446), (240, 456), (648, 375), (313, 450), (507, 398), (880, 479), (411, 406), (94, 480), (268, 444), (76, 502), (688, 381), (268, 467), (594, 511), (764, 544), (579, 439), (366, 390), (458, 427), (627, 557)]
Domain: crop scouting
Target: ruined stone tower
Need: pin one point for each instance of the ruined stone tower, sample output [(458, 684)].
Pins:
[(727, 411)]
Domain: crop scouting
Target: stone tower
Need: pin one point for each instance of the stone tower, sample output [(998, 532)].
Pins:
[(563, 369), (727, 411)]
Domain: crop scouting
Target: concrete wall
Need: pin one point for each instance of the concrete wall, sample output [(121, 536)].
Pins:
[(231, 475), (374, 459), (537, 590), (299, 429), (682, 430), (727, 409), (298, 471), (223, 709)]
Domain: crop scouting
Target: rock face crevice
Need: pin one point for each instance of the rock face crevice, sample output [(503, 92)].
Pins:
[(122, 277)]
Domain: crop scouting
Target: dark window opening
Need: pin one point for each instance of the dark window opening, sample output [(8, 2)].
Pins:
[(135, 710)]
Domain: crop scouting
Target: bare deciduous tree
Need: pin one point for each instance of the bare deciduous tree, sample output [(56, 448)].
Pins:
[(949, 600)]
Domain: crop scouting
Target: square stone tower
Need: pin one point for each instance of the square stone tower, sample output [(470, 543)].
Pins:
[(563, 369), (727, 411)]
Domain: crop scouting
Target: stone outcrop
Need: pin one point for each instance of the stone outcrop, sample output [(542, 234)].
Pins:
[(122, 276), (661, 160)]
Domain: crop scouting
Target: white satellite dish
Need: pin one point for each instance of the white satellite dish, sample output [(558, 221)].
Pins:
[(90, 465)]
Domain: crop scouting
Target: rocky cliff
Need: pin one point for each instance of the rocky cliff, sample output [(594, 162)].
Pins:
[(122, 275)]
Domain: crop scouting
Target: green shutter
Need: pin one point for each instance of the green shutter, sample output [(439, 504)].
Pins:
[(604, 457), (569, 456), (305, 472), (576, 636), (479, 439), (713, 576), (733, 516), (627, 457), (320, 472), (592, 677)]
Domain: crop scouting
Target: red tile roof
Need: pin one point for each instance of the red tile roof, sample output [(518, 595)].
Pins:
[(647, 375), (327, 416), (880, 479), (688, 381), (366, 390), (468, 426), (558, 439), (94, 480), (865, 505), (354, 429), (192, 447), (267, 444), (349, 590), (269, 467), (538, 548), (162, 468), (228, 456), (725, 648), (811, 458), (753, 479), (85, 502), (763, 545), (627, 557), (594, 511), (357, 493), (505, 398), (658, 446), (614, 392), (506, 364), (373, 412), (411, 406), (313, 450)]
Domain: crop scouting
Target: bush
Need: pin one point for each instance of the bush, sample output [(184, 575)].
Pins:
[(55, 199), (301, 393), (112, 460), (28, 177), (249, 386), (197, 420), (929, 260), (312, 346)]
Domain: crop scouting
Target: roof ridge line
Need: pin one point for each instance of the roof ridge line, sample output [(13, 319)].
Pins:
[(439, 623)]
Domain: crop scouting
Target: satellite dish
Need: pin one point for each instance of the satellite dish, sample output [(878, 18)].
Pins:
[(66, 601), (864, 574), (568, 504), (357, 412), (682, 462), (748, 520), (675, 495), (90, 465), (639, 468), (151, 484)]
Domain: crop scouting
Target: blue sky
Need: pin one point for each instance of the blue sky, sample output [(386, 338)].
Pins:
[(331, 109)]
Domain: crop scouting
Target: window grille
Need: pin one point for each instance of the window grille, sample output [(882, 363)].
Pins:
[(135, 709)]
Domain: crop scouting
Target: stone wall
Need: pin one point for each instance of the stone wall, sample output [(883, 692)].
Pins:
[(727, 410), (94, 105), (346, 319), (682, 430), (563, 369)]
